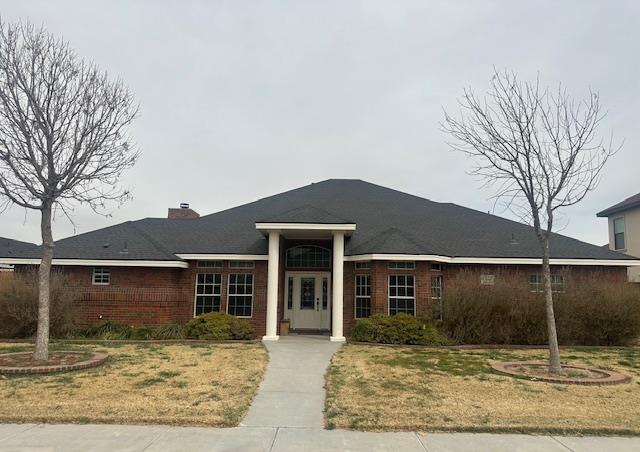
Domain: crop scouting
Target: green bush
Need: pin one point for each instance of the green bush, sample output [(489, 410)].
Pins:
[(396, 329), (19, 304), (590, 312), (219, 326)]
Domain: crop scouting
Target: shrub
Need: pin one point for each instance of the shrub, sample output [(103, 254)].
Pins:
[(219, 326), (593, 312), (170, 331), (397, 329), (19, 305), (106, 331)]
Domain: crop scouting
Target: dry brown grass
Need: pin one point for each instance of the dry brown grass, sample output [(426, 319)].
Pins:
[(402, 388), (185, 384)]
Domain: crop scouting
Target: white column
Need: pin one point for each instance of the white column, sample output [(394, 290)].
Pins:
[(337, 295), (272, 287)]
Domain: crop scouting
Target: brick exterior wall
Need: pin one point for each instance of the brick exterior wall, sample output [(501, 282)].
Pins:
[(154, 296)]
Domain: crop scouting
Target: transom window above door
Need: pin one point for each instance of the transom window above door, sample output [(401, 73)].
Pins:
[(308, 256)]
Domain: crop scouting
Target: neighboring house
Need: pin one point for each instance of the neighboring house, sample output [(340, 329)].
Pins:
[(8, 248), (321, 256), (624, 230)]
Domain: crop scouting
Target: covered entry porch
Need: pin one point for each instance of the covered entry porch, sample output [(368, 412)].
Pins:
[(306, 269)]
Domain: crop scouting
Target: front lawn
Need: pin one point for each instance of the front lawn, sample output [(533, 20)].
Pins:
[(422, 389), (185, 384)]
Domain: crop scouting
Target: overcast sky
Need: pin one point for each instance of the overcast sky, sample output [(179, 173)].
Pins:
[(244, 99)]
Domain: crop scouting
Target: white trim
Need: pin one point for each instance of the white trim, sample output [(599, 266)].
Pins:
[(224, 257), (492, 260), (306, 226), (97, 262)]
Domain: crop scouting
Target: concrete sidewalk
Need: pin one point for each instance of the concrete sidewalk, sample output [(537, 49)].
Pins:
[(131, 438), (292, 391)]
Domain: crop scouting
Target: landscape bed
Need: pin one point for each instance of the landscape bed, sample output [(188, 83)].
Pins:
[(381, 388), (177, 384)]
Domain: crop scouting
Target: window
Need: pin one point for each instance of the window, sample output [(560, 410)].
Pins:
[(487, 280), (290, 293), (436, 297), (207, 293), (557, 283), (363, 265), (209, 264), (325, 294), (402, 265), (240, 297), (101, 276), (307, 293), (618, 233), (436, 267), (363, 296), (536, 283), (402, 294), (240, 264), (308, 256)]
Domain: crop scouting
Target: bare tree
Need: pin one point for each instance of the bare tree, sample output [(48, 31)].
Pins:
[(63, 137), (540, 149)]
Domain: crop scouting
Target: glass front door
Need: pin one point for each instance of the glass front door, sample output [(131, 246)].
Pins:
[(307, 298)]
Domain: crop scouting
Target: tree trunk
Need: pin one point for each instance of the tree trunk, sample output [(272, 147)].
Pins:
[(44, 277), (554, 351)]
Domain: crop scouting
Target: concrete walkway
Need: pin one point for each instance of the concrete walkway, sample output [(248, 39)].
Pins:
[(292, 391), (131, 438)]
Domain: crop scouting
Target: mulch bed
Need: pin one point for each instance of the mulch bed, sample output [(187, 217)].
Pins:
[(571, 374), (63, 361)]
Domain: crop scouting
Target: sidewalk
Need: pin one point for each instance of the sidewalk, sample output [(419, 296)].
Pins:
[(131, 438), (292, 392)]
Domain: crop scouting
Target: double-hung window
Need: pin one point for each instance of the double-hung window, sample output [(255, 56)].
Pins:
[(363, 296), (402, 297), (240, 295), (618, 233), (436, 297), (101, 276), (207, 293), (536, 283)]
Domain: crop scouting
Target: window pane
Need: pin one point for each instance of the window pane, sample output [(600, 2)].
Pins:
[(208, 286), (307, 293), (363, 296), (290, 293), (240, 298), (308, 257), (401, 294)]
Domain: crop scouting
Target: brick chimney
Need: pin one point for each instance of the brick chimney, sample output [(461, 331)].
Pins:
[(184, 212)]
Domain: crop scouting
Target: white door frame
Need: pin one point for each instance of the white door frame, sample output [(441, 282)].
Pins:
[(325, 318)]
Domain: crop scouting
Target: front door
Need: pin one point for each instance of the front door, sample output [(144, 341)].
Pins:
[(308, 300)]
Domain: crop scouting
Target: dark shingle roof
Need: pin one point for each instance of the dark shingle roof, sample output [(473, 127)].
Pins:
[(630, 202), (387, 221), (15, 248)]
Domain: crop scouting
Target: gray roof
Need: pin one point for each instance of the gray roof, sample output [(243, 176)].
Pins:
[(16, 248), (387, 221), (629, 203)]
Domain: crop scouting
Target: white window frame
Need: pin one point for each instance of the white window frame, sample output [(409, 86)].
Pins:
[(101, 272), (487, 279), (362, 265), (229, 294), (624, 234), (209, 264), (437, 298), (241, 265), (356, 296), (196, 294), (436, 267), (404, 297), (402, 265), (539, 286)]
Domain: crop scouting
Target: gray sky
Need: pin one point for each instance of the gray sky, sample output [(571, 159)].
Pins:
[(243, 99)]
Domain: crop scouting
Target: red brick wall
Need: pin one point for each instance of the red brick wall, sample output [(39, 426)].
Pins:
[(152, 296)]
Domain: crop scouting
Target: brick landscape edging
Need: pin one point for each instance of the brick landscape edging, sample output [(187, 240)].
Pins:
[(95, 360), (611, 377)]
